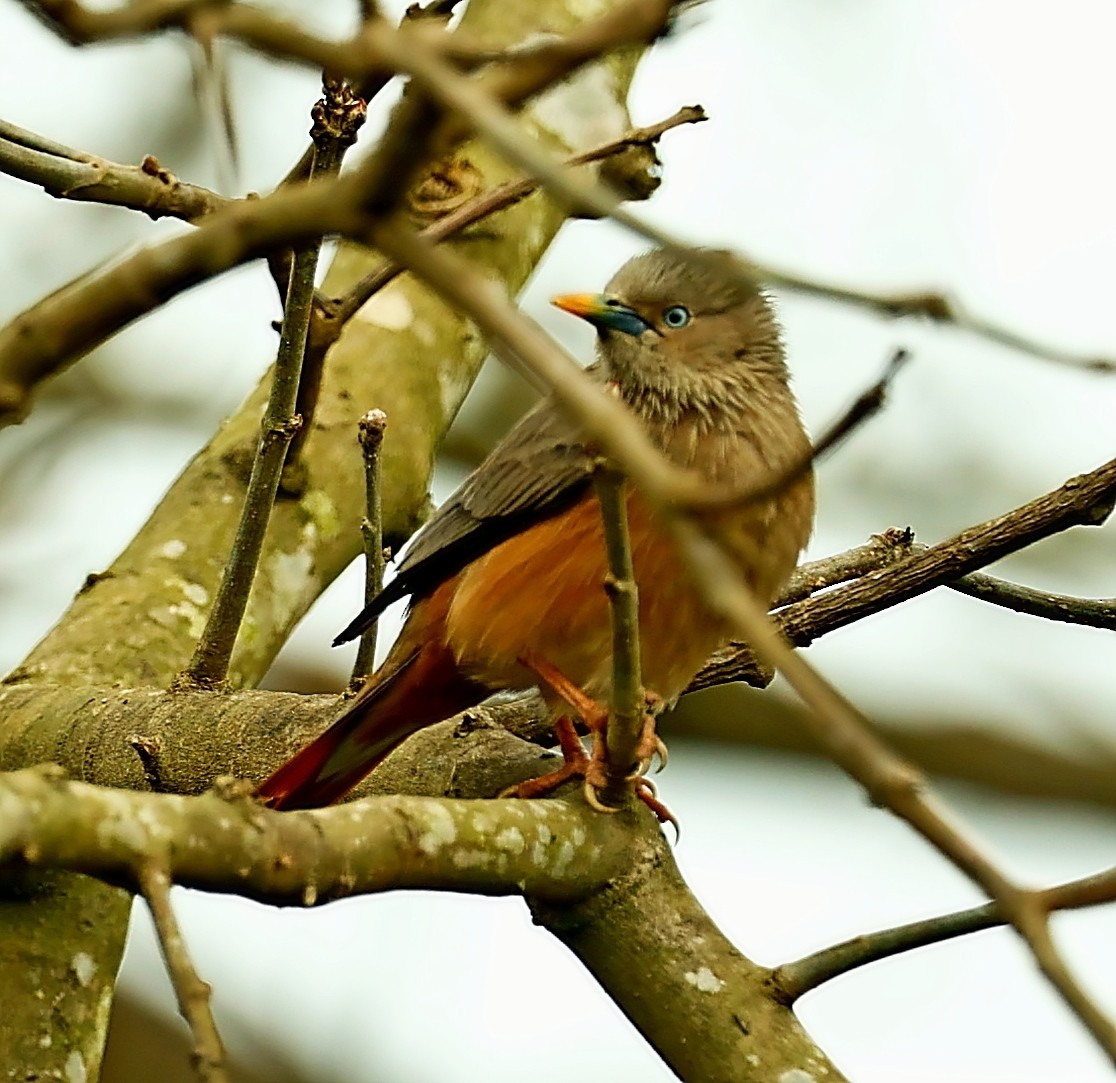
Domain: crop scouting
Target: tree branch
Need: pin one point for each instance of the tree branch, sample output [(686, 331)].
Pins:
[(370, 430), (1085, 500), (192, 994), (333, 133), (793, 980), (602, 884), (66, 173), (225, 841)]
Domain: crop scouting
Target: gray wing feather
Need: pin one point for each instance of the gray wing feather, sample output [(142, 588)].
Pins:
[(539, 468)]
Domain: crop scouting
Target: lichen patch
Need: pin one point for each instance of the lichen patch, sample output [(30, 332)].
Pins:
[(438, 830), (84, 967), (704, 980)]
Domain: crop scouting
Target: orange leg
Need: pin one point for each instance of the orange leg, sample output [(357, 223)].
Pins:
[(593, 768)]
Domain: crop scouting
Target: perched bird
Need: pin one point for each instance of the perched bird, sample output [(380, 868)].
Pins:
[(506, 580)]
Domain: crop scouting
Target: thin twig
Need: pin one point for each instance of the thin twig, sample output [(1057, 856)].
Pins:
[(67, 173), (1066, 608), (210, 662), (337, 118), (888, 547), (792, 980), (192, 994), (370, 85), (371, 435), (626, 719)]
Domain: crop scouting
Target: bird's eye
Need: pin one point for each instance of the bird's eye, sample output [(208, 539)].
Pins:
[(676, 316)]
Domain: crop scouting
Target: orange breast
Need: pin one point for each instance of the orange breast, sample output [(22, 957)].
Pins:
[(542, 593)]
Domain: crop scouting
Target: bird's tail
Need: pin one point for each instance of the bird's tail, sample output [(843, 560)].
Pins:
[(423, 687)]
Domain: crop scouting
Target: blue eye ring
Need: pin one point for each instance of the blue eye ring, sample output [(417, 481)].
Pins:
[(676, 316)]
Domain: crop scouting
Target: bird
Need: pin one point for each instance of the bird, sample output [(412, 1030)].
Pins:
[(506, 580)]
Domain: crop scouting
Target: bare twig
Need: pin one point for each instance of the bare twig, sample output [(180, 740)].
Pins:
[(1091, 612), (337, 118), (792, 980), (192, 994), (66, 173), (371, 435), (627, 714), (210, 662), (888, 547), (372, 83), (1086, 500)]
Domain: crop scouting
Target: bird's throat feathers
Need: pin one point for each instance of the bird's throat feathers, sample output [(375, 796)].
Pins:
[(725, 369)]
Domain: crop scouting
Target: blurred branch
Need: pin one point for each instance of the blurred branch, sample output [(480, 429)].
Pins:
[(253, 26), (341, 309), (66, 173), (192, 994)]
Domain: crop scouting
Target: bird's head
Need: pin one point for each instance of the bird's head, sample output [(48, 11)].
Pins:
[(684, 333)]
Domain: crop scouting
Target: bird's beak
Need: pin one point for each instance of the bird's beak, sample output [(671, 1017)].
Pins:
[(603, 311)]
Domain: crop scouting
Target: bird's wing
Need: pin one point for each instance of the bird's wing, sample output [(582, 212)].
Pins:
[(539, 468)]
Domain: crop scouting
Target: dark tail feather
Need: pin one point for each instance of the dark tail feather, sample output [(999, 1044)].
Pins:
[(424, 688)]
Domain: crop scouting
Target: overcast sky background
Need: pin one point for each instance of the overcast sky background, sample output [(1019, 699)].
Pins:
[(948, 144)]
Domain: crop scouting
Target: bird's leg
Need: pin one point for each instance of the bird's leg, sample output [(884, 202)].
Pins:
[(576, 764), (595, 767)]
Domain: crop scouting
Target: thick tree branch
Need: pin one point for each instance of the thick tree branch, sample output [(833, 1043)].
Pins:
[(605, 885), (220, 841)]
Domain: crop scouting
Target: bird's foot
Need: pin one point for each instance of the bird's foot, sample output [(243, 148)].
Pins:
[(598, 774)]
